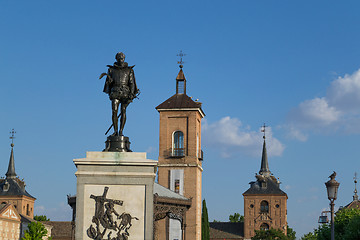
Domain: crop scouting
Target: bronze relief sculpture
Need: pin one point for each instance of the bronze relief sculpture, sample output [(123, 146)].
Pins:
[(104, 222)]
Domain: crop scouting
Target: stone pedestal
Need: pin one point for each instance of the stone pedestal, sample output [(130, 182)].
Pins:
[(114, 196)]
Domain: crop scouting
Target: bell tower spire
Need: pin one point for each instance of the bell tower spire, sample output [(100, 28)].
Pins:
[(11, 169), (180, 79), (264, 169)]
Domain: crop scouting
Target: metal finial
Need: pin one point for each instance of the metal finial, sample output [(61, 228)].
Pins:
[(355, 197), (12, 137), (355, 178), (181, 55), (263, 129)]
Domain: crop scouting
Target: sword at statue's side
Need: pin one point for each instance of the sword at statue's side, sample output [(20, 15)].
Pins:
[(111, 125)]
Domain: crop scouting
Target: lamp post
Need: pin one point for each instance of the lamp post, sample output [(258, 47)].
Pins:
[(332, 188)]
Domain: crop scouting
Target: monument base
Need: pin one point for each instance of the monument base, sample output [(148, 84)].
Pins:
[(117, 144), (114, 198)]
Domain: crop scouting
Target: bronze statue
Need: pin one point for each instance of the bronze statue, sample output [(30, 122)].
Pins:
[(121, 86)]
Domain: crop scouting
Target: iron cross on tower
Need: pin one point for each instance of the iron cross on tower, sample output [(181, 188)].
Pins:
[(263, 129), (181, 55), (12, 137)]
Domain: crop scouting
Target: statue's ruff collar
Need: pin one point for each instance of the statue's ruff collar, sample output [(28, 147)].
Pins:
[(117, 65)]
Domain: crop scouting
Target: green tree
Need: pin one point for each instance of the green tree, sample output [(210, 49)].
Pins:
[(347, 226), (237, 217), (291, 234), (41, 218), (35, 231), (205, 226), (272, 234), (342, 220), (352, 230), (309, 236)]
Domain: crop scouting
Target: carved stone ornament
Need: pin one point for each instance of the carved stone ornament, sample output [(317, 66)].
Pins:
[(107, 222), (263, 217)]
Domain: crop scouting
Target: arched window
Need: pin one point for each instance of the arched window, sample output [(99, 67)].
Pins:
[(264, 206), (178, 144), (264, 226), (27, 210), (4, 203)]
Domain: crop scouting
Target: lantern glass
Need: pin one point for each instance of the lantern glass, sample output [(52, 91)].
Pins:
[(323, 219), (332, 188)]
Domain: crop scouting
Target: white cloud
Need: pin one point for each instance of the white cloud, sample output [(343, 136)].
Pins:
[(344, 92), (296, 133), (230, 136), (318, 111), (314, 113), (337, 110)]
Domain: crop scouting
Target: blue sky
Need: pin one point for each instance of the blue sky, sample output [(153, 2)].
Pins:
[(292, 64)]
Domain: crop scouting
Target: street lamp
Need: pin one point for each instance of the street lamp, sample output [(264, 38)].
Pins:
[(332, 188)]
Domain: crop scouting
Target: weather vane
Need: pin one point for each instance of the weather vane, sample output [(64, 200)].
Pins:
[(264, 129), (355, 197), (181, 55), (355, 178), (12, 137)]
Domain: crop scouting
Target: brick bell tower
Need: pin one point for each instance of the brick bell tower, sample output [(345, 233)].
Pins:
[(180, 157), (265, 204)]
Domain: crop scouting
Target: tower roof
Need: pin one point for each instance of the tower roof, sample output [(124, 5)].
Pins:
[(180, 101), (12, 185), (180, 75), (270, 188), (266, 183), (264, 169), (11, 168)]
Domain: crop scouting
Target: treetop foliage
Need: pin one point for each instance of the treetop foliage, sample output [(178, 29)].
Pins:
[(237, 217), (41, 218), (35, 231), (346, 224), (205, 226)]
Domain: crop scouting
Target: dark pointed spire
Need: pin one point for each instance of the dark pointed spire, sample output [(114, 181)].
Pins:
[(11, 169), (355, 197), (264, 170)]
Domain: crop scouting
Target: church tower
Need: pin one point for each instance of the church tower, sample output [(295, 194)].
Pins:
[(12, 189), (264, 202), (180, 157)]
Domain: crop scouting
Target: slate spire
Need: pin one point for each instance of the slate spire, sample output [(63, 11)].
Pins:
[(264, 169), (11, 169)]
